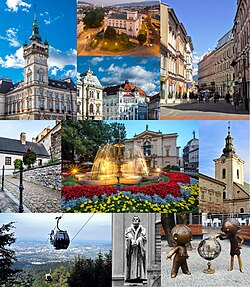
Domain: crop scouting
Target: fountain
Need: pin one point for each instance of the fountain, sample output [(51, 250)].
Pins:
[(116, 164)]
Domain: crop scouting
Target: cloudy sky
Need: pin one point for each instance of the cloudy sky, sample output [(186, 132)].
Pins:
[(184, 129), (110, 2), (38, 226), (205, 21), (212, 142), (13, 129), (141, 71), (16, 27)]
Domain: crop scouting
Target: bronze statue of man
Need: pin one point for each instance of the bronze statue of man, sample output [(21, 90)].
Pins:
[(135, 252), (182, 235), (231, 227)]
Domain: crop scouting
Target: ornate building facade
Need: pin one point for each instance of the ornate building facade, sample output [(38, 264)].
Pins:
[(176, 49), (128, 22), (37, 96), (241, 59), (159, 149), (223, 71), (230, 185), (89, 97), (121, 102), (191, 156), (206, 73)]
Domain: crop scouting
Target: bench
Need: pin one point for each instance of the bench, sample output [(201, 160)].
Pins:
[(195, 228), (245, 233)]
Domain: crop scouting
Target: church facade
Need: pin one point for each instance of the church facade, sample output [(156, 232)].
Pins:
[(160, 150), (227, 191), (37, 97)]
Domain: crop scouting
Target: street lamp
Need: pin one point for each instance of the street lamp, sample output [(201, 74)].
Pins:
[(245, 83)]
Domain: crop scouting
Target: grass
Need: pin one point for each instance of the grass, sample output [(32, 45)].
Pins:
[(70, 181), (115, 46)]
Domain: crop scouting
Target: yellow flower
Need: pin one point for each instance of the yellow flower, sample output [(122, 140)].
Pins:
[(68, 209)]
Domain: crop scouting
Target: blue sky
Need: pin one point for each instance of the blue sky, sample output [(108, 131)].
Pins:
[(183, 128), (57, 24), (205, 21), (13, 129), (38, 226), (212, 142), (141, 71), (110, 2)]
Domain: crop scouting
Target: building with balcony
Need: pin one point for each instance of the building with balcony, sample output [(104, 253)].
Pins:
[(37, 97), (89, 97), (241, 58), (223, 71)]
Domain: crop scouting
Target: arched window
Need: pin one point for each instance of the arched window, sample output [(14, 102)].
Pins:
[(91, 108), (224, 195), (242, 210), (147, 148)]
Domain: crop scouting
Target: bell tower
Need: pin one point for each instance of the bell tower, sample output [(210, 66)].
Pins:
[(36, 56), (229, 167)]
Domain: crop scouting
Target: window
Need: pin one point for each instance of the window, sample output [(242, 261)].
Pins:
[(224, 173), (147, 148), (238, 174), (40, 162), (224, 195), (210, 197), (7, 160), (91, 108), (242, 210)]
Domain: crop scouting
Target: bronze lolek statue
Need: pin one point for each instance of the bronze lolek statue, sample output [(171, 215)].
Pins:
[(230, 228), (182, 235)]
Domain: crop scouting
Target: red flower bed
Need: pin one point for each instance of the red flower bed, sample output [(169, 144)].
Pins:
[(178, 177), (162, 189)]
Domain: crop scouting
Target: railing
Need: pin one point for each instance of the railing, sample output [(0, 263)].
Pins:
[(20, 186)]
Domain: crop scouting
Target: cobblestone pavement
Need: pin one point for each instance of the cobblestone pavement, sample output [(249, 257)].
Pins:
[(203, 111), (36, 198), (221, 278)]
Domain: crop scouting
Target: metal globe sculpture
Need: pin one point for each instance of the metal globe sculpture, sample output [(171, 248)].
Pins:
[(209, 249)]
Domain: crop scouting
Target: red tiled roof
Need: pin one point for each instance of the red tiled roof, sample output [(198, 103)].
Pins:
[(127, 87)]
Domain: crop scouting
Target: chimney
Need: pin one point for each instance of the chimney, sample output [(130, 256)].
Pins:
[(23, 138), (33, 140)]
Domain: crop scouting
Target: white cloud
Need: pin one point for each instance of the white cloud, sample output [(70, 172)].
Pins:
[(14, 60), (94, 61), (61, 59), (11, 37), (137, 75), (14, 5), (70, 74), (47, 22), (54, 71), (195, 71)]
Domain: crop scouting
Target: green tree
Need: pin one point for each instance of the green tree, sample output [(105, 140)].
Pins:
[(81, 139), (124, 38), (142, 38), (7, 256), (94, 18), (17, 163), (29, 158), (60, 277), (110, 33)]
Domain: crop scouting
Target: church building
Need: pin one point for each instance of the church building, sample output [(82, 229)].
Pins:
[(228, 190), (37, 97)]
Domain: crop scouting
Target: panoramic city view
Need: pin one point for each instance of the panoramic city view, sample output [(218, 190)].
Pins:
[(205, 60), (113, 28)]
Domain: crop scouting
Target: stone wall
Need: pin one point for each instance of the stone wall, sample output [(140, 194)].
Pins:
[(49, 176)]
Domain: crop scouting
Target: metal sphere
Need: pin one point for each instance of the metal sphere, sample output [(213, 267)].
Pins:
[(209, 248)]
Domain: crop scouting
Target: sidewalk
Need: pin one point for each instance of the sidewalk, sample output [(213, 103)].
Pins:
[(36, 198), (196, 264)]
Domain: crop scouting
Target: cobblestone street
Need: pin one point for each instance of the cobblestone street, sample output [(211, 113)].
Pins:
[(221, 278), (203, 111), (36, 198)]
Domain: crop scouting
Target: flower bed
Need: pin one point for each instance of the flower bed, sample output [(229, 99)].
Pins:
[(175, 195)]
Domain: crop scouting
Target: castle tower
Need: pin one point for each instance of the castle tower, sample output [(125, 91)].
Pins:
[(229, 167), (36, 56)]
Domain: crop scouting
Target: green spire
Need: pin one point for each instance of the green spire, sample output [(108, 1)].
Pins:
[(35, 29)]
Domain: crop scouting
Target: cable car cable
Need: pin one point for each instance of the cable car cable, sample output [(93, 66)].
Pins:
[(82, 227)]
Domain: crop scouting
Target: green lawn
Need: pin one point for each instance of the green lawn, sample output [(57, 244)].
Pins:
[(115, 46), (70, 181)]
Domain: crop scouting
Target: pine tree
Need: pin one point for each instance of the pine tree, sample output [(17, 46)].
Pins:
[(7, 256)]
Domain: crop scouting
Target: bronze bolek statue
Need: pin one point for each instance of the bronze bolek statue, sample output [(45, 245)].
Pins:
[(231, 227), (181, 235)]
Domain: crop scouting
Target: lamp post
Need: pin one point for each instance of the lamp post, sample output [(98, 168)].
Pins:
[(227, 84), (245, 83)]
